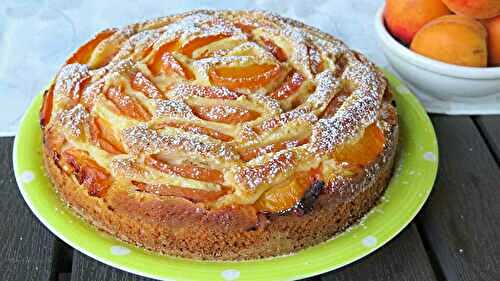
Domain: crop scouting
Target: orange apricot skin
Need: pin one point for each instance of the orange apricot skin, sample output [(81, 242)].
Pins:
[(453, 39), (493, 27), (404, 18), (82, 55), (479, 9)]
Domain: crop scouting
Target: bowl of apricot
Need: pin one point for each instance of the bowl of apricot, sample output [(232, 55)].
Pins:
[(441, 48)]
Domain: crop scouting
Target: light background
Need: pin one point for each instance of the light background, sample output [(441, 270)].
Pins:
[(37, 36)]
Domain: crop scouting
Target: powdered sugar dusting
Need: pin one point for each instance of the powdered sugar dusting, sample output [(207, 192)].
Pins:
[(357, 112), (253, 176), (173, 108), (310, 58), (141, 139), (186, 90), (72, 119), (327, 86), (69, 80)]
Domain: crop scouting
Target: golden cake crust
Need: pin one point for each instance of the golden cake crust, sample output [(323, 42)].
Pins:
[(115, 125), (174, 226)]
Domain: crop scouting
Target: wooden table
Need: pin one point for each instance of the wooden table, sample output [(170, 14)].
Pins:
[(455, 237)]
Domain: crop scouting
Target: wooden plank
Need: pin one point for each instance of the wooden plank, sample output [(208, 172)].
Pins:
[(490, 128), (461, 220), (403, 258), (86, 268), (27, 248)]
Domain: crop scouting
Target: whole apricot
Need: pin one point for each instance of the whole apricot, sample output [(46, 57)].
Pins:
[(493, 27), (479, 9), (453, 39), (404, 18)]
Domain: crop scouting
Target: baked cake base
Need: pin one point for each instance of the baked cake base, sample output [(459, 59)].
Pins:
[(178, 227)]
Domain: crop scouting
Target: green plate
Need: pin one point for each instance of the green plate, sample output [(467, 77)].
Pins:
[(415, 171)]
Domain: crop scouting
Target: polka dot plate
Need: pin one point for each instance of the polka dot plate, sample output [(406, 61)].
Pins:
[(414, 175)]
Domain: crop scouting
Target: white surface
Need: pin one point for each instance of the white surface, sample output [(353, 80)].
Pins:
[(37, 36)]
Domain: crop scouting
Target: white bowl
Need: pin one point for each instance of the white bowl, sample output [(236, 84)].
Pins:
[(438, 79)]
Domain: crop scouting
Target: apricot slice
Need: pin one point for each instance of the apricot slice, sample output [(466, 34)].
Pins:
[(46, 110), (404, 18), (195, 195), (189, 47), (127, 105), (102, 134), (453, 39), (336, 103), (171, 65), (225, 114), (83, 54), (246, 28), (250, 153), (142, 84), (156, 63), (284, 197), (187, 171), (88, 173), (274, 49), (315, 60), (292, 83), (200, 130), (493, 27), (363, 151), (251, 77)]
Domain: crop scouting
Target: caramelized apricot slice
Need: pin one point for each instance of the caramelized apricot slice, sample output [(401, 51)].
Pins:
[(315, 60), (127, 104), (363, 151), (336, 103), (88, 173), (274, 49), (246, 28), (83, 54), (225, 114), (187, 171), (102, 134), (142, 84), (46, 110), (292, 83), (196, 195), (189, 47), (171, 65), (156, 64), (286, 196), (200, 130), (251, 77), (251, 153)]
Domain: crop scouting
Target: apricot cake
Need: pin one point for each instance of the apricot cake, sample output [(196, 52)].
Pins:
[(219, 134)]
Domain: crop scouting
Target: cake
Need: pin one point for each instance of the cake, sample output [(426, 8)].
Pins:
[(220, 135)]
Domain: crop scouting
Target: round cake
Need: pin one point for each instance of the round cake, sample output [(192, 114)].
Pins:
[(219, 134)]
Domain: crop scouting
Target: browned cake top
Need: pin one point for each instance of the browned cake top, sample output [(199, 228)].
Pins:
[(219, 107)]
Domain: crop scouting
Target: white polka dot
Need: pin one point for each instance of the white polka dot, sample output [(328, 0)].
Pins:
[(402, 89), (27, 177), (120, 251), (430, 156), (369, 241), (230, 274)]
